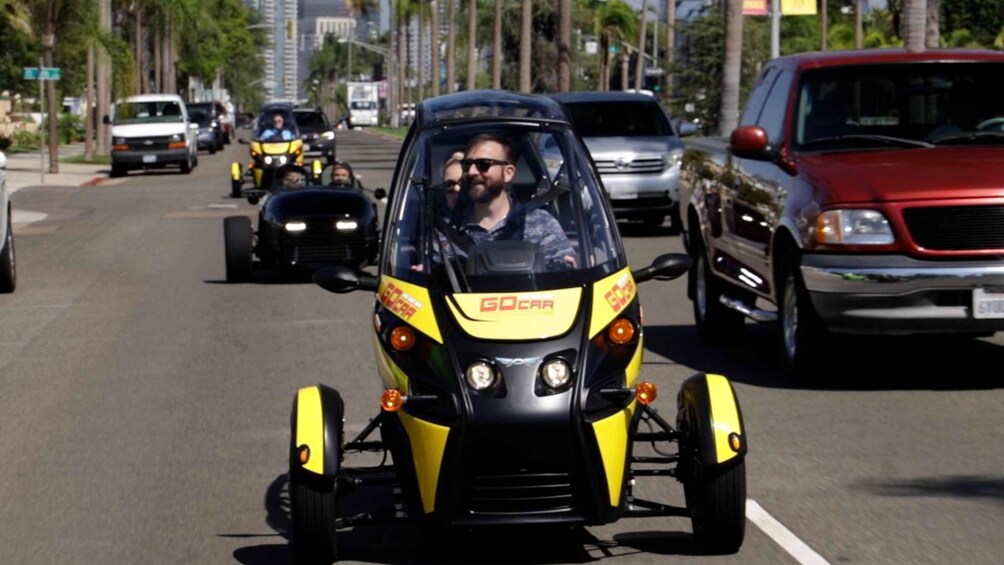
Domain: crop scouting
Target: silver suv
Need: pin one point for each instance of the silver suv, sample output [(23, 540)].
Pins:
[(635, 149)]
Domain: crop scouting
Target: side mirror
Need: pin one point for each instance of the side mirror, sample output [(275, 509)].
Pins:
[(341, 280), (688, 128), (664, 268), (380, 194), (107, 120), (750, 142), (242, 141), (253, 199)]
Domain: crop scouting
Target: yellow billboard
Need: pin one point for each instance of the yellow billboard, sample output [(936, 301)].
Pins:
[(798, 7)]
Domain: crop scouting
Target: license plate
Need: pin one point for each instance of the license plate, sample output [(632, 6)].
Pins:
[(623, 194), (149, 158), (987, 304)]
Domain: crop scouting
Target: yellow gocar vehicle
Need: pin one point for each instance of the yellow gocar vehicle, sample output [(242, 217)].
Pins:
[(510, 364), (275, 142)]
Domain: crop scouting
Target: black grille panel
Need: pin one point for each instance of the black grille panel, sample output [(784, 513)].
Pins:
[(521, 494), (148, 143), (957, 228)]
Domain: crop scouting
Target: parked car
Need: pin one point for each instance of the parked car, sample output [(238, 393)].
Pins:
[(8, 262), (636, 151), (150, 131), (225, 120), (316, 132), (210, 135), (862, 193)]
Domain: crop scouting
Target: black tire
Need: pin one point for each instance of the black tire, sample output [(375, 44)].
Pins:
[(212, 150), (235, 188), (715, 322), (313, 509), (717, 502), (8, 262), (802, 332), (237, 236), (186, 166), (675, 223), (117, 171)]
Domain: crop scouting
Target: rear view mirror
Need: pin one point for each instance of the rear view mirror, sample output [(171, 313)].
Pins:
[(688, 128), (379, 194), (750, 142), (253, 199), (664, 268), (341, 280)]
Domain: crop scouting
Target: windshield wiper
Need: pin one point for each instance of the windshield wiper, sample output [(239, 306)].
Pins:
[(970, 136), (857, 139)]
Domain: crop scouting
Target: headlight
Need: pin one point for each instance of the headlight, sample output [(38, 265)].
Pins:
[(296, 226), (119, 141), (328, 135), (556, 373), (282, 159), (177, 137), (675, 158), (853, 227), (346, 225), (214, 124), (480, 375), (268, 159)]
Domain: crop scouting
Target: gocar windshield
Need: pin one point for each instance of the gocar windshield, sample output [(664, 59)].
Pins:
[(148, 112), (278, 125), (873, 106), (558, 233)]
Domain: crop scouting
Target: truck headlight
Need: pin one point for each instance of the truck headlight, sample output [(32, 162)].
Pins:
[(177, 137), (119, 141), (853, 227)]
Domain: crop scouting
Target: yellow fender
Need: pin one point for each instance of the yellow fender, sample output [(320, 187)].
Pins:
[(708, 413), (315, 168), (236, 172), (318, 426)]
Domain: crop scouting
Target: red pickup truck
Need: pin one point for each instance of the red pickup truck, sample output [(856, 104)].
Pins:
[(863, 192)]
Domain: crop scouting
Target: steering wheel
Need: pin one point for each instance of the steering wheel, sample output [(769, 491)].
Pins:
[(993, 124)]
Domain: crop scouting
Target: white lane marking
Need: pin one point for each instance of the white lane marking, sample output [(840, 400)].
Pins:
[(26, 216), (782, 536), (226, 206)]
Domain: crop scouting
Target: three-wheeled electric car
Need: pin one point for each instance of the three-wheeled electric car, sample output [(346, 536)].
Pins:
[(275, 142), (305, 227), (511, 392)]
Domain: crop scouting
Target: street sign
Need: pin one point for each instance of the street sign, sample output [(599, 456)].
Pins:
[(43, 73)]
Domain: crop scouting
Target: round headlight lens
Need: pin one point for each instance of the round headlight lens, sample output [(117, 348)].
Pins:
[(556, 373), (268, 159), (480, 375), (282, 160)]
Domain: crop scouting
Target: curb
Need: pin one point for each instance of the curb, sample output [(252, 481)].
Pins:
[(94, 181)]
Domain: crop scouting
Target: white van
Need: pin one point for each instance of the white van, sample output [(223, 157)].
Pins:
[(152, 131)]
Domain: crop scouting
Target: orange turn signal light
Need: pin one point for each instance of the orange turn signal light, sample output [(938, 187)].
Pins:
[(177, 145), (402, 338), (304, 454), (620, 331), (646, 392), (120, 147), (735, 442), (391, 400)]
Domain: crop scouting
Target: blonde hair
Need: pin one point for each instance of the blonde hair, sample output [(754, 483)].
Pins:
[(453, 160)]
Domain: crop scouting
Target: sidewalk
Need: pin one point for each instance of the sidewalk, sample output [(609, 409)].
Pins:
[(23, 170)]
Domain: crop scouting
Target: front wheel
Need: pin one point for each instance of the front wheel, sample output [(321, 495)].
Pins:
[(802, 332), (717, 502), (715, 322), (237, 236), (313, 507), (186, 166), (8, 263)]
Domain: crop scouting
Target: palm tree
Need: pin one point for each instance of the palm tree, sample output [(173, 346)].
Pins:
[(472, 36), (670, 45), (731, 68), (916, 18), (615, 21), (564, 45), (639, 68), (824, 25), (451, 43), (434, 17), (420, 12), (497, 47), (525, 25), (933, 23)]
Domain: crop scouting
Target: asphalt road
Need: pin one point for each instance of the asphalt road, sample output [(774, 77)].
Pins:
[(144, 405)]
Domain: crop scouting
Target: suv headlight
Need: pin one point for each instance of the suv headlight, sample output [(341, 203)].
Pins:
[(853, 227), (675, 158), (328, 135)]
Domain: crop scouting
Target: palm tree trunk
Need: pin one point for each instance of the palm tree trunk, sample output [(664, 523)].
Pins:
[(49, 44), (158, 61), (434, 48), (625, 59), (824, 26), (421, 51), (639, 67), (730, 70), (497, 47), (89, 106), (859, 28), (394, 62), (670, 45), (138, 47), (472, 44), (605, 62), (408, 71), (933, 23), (451, 44), (526, 19), (916, 18), (402, 62), (564, 45), (104, 79)]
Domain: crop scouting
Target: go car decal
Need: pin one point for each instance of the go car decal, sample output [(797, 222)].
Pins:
[(410, 303), (612, 438), (610, 296), (516, 315), (310, 426), (428, 442), (634, 366), (724, 415)]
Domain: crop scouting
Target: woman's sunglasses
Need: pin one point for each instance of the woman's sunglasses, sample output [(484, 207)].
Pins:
[(482, 164)]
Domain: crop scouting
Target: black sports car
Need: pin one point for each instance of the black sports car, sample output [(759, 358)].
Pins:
[(303, 228)]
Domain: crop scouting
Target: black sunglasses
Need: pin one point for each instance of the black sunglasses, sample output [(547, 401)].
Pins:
[(482, 164)]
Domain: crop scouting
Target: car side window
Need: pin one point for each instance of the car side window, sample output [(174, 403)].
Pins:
[(756, 100), (774, 108)]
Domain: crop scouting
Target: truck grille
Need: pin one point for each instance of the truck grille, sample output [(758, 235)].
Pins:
[(637, 165), (521, 494), (957, 228), (148, 143)]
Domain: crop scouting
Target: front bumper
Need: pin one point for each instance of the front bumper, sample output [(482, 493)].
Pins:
[(636, 195), (881, 294), (319, 146), (150, 158)]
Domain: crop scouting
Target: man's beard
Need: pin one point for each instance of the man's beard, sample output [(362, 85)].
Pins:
[(485, 190)]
